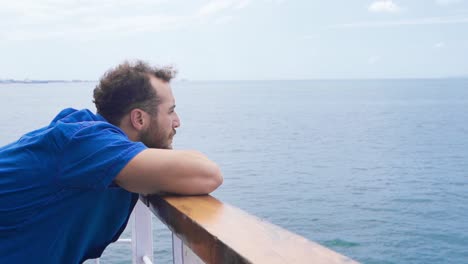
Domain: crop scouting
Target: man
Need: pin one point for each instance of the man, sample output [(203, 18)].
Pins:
[(67, 189)]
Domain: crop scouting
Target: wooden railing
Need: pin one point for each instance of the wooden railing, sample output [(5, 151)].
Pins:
[(205, 230)]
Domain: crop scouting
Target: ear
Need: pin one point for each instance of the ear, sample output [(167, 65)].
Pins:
[(139, 119)]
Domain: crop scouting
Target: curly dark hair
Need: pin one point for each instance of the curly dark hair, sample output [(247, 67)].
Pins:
[(127, 87)]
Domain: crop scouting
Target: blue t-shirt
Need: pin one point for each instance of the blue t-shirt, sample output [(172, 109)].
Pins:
[(58, 201)]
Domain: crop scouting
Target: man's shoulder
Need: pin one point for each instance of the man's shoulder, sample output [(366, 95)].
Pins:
[(72, 120), (78, 124), (71, 115), (70, 124)]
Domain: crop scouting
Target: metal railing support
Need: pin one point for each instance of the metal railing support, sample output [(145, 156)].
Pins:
[(142, 234), (177, 250)]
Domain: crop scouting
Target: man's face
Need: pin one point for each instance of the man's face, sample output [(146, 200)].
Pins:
[(161, 130)]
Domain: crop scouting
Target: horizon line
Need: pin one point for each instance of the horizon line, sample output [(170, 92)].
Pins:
[(33, 81)]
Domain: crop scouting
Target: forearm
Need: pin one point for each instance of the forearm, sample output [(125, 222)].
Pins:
[(184, 172)]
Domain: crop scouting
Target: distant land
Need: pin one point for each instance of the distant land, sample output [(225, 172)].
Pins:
[(28, 81)]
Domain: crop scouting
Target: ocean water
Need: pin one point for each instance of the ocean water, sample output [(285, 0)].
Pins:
[(374, 169)]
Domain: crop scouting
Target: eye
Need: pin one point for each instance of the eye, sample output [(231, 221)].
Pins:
[(171, 109)]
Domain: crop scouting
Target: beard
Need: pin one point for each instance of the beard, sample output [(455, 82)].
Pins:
[(153, 137)]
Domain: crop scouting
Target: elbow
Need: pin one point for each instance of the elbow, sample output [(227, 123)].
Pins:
[(215, 179), (218, 177)]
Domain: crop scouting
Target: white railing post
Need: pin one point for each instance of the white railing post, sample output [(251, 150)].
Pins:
[(142, 234), (181, 254), (177, 250)]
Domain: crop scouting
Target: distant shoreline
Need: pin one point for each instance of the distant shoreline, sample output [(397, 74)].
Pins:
[(27, 81), (11, 81)]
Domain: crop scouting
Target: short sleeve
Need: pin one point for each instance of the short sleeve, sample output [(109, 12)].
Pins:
[(95, 155)]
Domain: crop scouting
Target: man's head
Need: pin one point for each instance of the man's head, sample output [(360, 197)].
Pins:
[(138, 98)]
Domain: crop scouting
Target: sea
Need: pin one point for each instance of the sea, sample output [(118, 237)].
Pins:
[(376, 170)]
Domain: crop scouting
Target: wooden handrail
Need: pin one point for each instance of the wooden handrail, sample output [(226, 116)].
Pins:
[(220, 233)]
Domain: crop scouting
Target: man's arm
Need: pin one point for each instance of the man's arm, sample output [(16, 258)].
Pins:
[(174, 171)]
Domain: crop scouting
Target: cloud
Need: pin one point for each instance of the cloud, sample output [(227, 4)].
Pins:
[(278, 2), (308, 37), (49, 17), (448, 2), (42, 19), (223, 20), (242, 4), (384, 6), (439, 45), (373, 60), (408, 22), (217, 6)]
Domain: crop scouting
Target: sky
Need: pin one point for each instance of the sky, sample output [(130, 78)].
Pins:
[(236, 39)]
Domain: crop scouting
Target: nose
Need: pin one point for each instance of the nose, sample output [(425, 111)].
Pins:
[(176, 122)]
